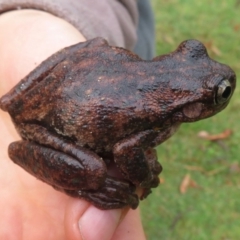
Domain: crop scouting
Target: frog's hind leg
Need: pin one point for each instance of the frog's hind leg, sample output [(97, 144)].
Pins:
[(70, 168), (68, 175), (57, 168)]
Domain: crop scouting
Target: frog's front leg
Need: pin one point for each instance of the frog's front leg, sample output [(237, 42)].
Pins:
[(72, 169), (137, 159)]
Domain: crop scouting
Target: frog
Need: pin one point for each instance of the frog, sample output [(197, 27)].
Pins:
[(91, 116)]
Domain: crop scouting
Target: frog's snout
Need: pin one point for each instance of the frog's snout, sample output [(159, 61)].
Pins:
[(224, 91)]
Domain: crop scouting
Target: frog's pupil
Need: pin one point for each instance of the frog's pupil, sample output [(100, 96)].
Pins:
[(227, 92)]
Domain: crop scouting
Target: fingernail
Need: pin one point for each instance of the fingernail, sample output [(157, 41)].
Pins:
[(99, 224)]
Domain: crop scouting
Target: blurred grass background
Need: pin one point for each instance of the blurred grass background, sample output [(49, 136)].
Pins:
[(210, 208)]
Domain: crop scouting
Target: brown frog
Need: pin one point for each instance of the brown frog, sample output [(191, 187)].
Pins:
[(91, 105)]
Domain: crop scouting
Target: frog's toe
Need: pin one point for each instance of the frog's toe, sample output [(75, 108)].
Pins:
[(107, 199), (113, 194), (111, 199), (153, 182)]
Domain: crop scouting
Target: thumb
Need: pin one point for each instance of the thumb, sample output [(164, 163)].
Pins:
[(84, 221)]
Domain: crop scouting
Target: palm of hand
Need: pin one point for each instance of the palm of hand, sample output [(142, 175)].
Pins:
[(24, 200), (31, 209)]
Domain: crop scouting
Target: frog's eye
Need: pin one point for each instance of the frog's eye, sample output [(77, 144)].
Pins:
[(224, 91)]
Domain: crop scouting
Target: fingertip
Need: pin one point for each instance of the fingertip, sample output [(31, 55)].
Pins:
[(99, 224), (84, 221)]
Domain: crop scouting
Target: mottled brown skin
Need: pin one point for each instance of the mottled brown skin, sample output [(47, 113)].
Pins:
[(91, 104)]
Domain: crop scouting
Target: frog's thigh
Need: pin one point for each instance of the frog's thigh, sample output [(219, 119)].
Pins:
[(47, 164), (130, 156), (91, 166), (55, 167)]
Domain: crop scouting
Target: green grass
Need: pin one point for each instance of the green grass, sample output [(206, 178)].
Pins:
[(211, 211)]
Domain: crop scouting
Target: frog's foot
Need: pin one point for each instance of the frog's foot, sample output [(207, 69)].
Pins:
[(137, 160), (155, 169), (113, 194)]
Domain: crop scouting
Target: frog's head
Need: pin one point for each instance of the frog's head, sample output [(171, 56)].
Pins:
[(194, 85)]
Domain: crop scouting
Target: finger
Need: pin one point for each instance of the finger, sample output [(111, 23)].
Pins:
[(84, 221)]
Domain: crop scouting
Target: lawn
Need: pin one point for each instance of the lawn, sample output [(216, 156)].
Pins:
[(210, 207)]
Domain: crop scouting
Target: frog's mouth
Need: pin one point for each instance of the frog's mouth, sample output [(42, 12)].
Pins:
[(196, 111), (199, 110)]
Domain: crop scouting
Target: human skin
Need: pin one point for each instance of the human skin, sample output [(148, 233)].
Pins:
[(30, 209)]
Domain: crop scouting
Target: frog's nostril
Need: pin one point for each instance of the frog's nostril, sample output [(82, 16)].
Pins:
[(224, 91)]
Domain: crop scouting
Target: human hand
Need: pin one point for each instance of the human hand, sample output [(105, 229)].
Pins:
[(31, 209)]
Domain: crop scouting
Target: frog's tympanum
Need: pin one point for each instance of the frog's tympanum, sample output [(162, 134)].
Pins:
[(91, 106)]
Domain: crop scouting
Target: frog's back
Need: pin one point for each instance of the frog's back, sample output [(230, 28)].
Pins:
[(97, 49)]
